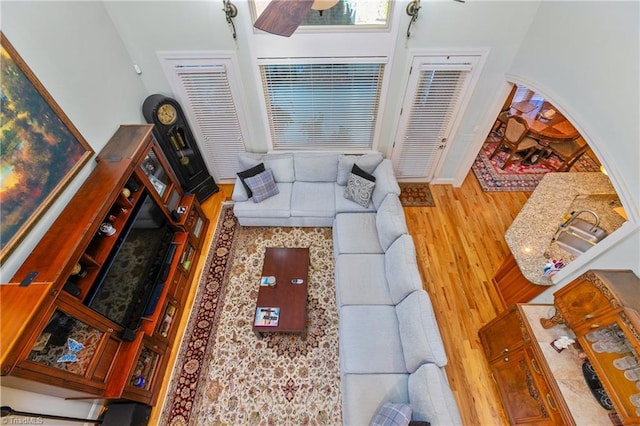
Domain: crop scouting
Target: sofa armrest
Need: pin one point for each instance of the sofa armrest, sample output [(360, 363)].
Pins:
[(239, 193), (385, 182)]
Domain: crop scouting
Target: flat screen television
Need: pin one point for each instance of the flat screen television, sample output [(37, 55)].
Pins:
[(129, 284)]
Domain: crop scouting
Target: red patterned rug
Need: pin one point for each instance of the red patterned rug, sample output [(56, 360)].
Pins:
[(224, 374), (517, 176), (416, 195)]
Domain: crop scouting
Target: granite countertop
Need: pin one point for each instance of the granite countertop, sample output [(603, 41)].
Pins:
[(530, 235)]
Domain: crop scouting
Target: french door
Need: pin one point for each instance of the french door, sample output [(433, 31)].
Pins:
[(433, 103)]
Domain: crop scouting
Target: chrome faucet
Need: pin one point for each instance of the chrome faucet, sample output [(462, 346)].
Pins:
[(574, 215)]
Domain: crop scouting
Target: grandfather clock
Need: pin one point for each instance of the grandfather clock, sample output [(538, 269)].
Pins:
[(174, 135)]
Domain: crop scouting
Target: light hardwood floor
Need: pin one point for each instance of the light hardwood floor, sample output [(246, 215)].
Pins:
[(460, 244)]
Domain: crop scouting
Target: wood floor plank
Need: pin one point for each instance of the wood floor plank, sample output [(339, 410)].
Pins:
[(459, 245)]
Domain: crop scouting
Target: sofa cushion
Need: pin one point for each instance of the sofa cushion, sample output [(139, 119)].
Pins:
[(356, 233), (431, 397), (419, 332), (249, 173), (390, 221), (280, 164), (369, 340), (313, 199), (364, 394), (401, 268), (360, 280), (247, 160), (316, 167), (262, 186), (367, 162), (278, 206), (392, 414), (385, 182), (359, 189)]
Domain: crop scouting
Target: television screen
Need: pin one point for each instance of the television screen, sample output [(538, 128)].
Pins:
[(131, 276)]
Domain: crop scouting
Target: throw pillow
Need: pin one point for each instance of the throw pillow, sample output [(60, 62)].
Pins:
[(367, 162), (392, 414), (358, 171), (359, 186), (263, 186), (249, 173)]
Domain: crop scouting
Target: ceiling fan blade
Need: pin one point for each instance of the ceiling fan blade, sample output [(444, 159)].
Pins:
[(283, 17)]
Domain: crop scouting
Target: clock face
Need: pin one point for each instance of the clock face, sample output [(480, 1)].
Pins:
[(167, 114)]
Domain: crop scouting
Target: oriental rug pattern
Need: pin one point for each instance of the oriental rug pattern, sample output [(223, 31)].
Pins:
[(416, 195), (516, 176), (224, 374)]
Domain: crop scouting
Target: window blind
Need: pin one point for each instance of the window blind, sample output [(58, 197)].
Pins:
[(209, 98), (434, 105), (322, 106)]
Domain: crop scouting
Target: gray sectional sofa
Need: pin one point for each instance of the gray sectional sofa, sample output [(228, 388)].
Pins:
[(311, 188), (389, 341)]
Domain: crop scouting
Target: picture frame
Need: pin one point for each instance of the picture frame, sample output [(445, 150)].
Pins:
[(42, 151)]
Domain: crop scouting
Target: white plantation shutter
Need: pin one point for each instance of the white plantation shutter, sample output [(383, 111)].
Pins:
[(322, 106), (205, 92), (431, 112)]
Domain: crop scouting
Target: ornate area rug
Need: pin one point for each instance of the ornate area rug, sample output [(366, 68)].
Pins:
[(224, 375), (416, 195), (517, 176)]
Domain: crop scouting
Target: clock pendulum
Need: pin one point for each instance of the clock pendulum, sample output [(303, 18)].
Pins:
[(174, 136)]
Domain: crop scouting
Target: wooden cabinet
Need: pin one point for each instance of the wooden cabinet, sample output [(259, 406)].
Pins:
[(524, 389), (512, 286), (93, 309), (601, 307)]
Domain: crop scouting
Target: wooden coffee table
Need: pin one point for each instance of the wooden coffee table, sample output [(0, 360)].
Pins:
[(285, 264)]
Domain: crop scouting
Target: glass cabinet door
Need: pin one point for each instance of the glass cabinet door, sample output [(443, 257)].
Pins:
[(66, 343), (155, 171)]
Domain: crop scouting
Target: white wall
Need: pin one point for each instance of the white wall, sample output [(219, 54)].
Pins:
[(499, 26), (585, 56), (74, 50), (37, 403), (76, 53)]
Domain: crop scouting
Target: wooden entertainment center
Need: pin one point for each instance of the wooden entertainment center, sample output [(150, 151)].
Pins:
[(59, 329)]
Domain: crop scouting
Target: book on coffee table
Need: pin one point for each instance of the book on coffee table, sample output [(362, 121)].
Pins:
[(267, 316)]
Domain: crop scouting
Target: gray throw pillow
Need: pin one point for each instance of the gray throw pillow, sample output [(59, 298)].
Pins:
[(262, 185), (359, 190), (367, 162), (392, 414)]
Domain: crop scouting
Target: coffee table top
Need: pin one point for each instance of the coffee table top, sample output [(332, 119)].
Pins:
[(285, 264)]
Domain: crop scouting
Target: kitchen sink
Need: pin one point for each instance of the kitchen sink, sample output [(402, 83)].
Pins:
[(586, 231), (573, 244), (577, 235)]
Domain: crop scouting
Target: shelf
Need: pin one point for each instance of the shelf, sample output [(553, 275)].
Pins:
[(106, 360), (149, 323)]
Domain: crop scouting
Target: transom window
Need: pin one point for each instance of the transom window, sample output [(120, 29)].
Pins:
[(349, 13), (322, 106)]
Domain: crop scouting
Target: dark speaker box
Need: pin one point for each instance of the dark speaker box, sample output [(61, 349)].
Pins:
[(129, 414)]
